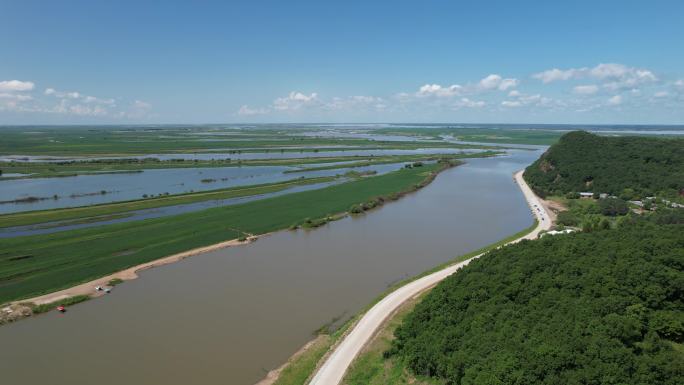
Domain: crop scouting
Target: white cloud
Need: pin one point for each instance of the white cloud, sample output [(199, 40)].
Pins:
[(511, 103), (495, 81), (508, 83), (92, 99), (80, 109), (555, 74), (465, 102), (14, 97), (295, 101), (615, 76), (522, 99), (679, 83), (142, 105), (586, 89), (63, 95), (490, 82), (15, 85), (620, 71), (661, 94), (298, 101), (247, 111), (438, 90), (615, 100), (356, 102), (73, 95), (17, 97), (138, 109)]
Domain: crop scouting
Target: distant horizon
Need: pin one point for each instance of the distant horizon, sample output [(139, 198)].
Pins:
[(454, 124)]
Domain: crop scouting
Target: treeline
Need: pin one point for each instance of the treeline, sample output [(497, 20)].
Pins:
[(604, 307), (630, 167)]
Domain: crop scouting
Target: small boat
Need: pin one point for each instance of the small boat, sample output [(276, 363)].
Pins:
[(108, 290), (61, 308)]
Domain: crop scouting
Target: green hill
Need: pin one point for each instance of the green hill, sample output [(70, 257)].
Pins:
[(604, 307), (631, 167)]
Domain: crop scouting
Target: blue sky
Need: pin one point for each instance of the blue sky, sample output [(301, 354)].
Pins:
[(127, 62)]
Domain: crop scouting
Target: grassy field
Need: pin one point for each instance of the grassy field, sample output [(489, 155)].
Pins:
[(35, 265), (104, 211), (82, 141)]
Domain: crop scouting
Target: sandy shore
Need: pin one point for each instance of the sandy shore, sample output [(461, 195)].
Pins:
[(88, 288)]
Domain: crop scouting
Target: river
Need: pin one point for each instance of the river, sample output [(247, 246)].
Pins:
[(231, 315)]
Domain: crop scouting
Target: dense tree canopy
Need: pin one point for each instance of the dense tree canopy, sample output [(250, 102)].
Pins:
[(629, 167), (604, 307)]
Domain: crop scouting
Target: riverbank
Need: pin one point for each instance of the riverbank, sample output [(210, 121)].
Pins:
[(293, 210), (359, 333)]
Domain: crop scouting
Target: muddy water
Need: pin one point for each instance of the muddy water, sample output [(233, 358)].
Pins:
[(228, 316)]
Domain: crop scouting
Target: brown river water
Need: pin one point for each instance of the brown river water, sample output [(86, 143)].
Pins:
[(229, 316)]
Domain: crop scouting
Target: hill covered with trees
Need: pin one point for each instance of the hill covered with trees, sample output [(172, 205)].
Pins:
[(603, 307), (629, 167)]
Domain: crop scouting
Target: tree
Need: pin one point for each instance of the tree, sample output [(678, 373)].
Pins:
[(613, 207), (626, 166), (598, 307)]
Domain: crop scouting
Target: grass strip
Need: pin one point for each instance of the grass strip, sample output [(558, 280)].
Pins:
[(396, 159)]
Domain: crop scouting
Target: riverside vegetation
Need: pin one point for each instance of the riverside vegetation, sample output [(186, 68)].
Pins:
[(599, 306)]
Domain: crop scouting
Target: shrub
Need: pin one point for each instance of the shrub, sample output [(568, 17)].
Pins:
[(567, 218)]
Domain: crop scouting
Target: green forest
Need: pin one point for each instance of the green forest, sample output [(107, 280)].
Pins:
[(601, 307), (630, 167)]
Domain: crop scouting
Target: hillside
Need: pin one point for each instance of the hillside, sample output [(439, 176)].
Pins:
[(589, 308), (631, 167)]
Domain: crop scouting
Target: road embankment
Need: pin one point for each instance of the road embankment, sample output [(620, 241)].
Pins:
[(338, 361)]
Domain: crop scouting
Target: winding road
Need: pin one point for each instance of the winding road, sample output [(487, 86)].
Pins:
[(333, 369)]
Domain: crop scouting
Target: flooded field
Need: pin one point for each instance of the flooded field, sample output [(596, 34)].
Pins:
[(230, 316), (84, 190), (273, 154)]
